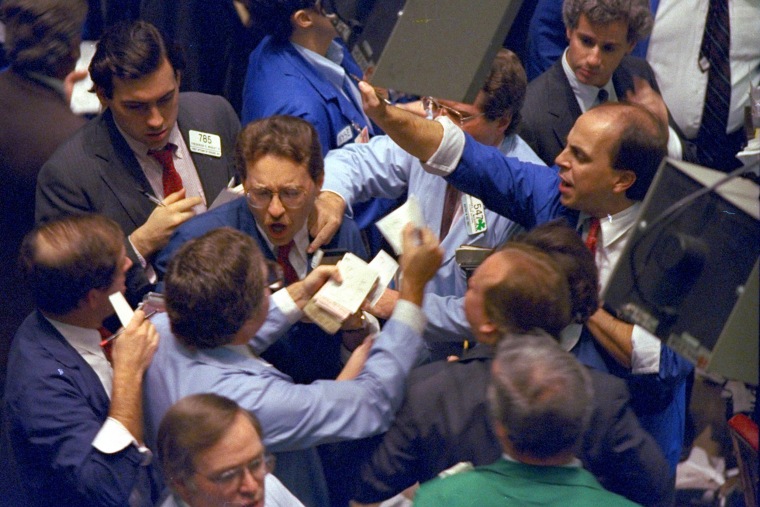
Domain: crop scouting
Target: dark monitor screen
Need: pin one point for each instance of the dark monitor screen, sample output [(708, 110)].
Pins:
[(682, 273)]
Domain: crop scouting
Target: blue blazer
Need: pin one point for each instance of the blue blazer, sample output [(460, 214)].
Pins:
[(529, 195), (55, 405), (295, 352), (281, 81)]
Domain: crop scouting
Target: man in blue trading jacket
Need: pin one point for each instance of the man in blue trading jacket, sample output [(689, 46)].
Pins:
[(217, 304), (612, 154), (74, 417), (151, 145), (300, 69), (280, 162)]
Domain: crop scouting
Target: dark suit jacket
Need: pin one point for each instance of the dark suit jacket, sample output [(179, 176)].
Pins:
[(305, 353), (96, 171), (35, 120), (55, 405), (550, 107), (445, 420)]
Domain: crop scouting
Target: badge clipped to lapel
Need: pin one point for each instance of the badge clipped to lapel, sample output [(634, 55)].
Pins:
[(474, 215), (205, 143)]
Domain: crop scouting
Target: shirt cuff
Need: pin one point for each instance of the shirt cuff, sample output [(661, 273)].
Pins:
[(647, 349), (113, 437), (675, 148), (446, 157), (410, 314), (282, 300), (150, 273)]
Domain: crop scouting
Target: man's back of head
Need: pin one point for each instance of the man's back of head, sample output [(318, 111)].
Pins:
[(529, 292), (43, 36), (563, 244), (274, 15), (64, 259), (214, 285), (540, 398)]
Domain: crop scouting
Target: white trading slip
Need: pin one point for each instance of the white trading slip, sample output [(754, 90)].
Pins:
[(122, 308), (386, 267), (392, 225), (83, 101), (335, 302)]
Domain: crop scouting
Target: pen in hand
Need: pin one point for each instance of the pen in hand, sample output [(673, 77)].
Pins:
[(155, 200), (108, 340), (377, 92)]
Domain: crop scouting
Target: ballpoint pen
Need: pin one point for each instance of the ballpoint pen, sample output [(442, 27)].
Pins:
[(108, 340), (155, 200), (377, 91)]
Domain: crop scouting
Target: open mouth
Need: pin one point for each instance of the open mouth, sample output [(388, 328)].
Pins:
[(277, 229)]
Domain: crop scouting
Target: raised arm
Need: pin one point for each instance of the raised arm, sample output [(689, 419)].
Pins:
[(416, 135)]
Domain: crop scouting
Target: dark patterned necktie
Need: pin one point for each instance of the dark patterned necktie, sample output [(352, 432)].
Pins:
[(713, 57), (602, 96)]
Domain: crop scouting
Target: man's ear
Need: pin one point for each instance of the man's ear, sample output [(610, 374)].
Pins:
[(101, 94), (504, 122), (302, 18), (184, 488), (625, 180)]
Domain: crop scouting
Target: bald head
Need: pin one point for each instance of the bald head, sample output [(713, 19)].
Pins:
[(528, 290), (640, 142)]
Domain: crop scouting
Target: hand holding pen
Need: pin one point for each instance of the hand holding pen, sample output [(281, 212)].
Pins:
[(173, 211), (118, 333), (133, 351)]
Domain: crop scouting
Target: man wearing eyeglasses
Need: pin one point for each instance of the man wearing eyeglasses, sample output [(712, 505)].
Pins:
[(381, 168), (212, 454), (280, 162)]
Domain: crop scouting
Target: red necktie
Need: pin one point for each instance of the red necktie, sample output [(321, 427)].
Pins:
[(593, 234), (283, 259), (107, 347), (450, 201), (170, 178)]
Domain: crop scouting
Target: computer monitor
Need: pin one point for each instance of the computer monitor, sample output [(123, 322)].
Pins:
[(683, 272), (427, 47)]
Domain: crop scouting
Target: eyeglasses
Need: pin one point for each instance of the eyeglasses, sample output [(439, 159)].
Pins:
[(290, 198), (258, 467), (275, 276), (435, 108)]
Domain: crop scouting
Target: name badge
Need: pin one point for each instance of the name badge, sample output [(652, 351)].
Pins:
[(344, 136), (474, 215), (205, 143)]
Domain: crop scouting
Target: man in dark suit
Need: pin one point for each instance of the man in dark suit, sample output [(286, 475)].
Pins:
[(595, 67), (152, 160), (444, 419), (74, 417), (42, 43)]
